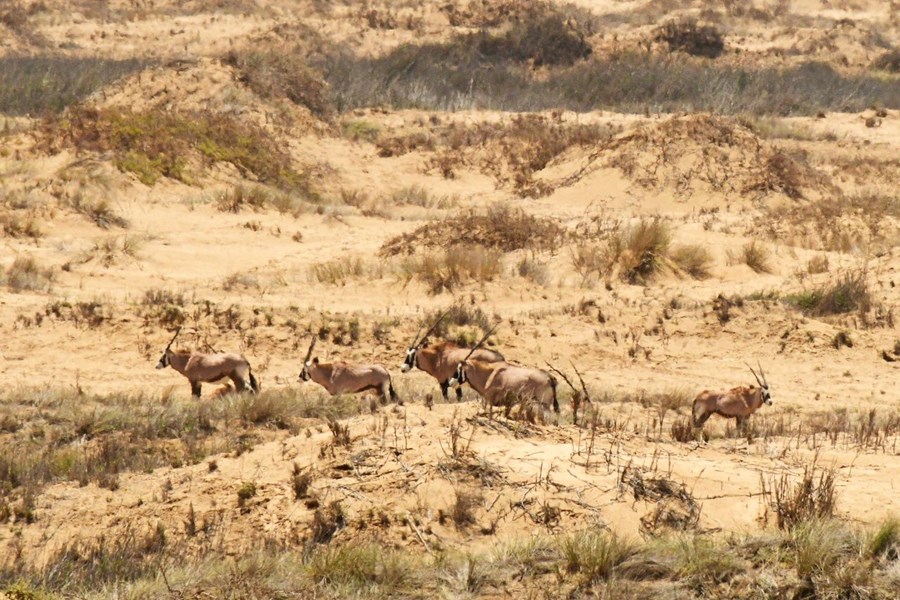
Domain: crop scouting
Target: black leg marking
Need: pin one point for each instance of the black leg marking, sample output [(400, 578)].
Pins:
[(458, 393), (444, 387), (195, 389)]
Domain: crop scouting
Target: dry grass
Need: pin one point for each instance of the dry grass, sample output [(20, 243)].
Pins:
[(693, 259), (339, 270), (25, 274), (848, 293), (38, 84), (501, 228), (811, 498), (756, 256), (242, 196), (456, 266), (98, 211), (696, 39), (643, 249)]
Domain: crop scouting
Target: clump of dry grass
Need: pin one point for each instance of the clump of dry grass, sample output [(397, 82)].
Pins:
[(811, 498), (696, 39), (848, 293), (502, 228), (693, 259), (15, 225), (457, 265), (643, 249), (462, 511), (243, 196), (337, 271), (595, 554), (100, 211), (25, 274), (756, 256)]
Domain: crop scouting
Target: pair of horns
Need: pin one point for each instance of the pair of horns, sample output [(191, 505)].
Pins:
[(177, 331), (481, 341), (763, 382), (571, 385), (309, 352), (417, 340)]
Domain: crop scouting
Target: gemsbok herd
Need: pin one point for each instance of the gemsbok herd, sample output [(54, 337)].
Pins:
[(500, 383)]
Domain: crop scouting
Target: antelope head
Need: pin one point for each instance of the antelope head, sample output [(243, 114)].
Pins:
[(304, 373), (410, 361), (164, 361), (460, 377), (763, 384)]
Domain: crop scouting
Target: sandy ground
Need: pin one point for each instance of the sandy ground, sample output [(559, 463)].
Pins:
[(397, 479)]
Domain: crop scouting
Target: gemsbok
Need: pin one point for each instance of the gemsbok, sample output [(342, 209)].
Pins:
[(737, 403), (503, 384), (440, 360), (201, 367), (346, 378)]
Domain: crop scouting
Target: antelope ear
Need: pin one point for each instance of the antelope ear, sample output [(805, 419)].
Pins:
[(424, 343)]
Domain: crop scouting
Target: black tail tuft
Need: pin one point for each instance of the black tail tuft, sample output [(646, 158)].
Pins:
[(254, 385), (553, 387)]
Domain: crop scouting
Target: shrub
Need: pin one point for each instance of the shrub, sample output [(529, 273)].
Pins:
[(25, 274), (156, 143), (16, 226), (693, 259), (278, 72), (502, 228), (338, 270), (99, 211), (687, 35), (539, 39)]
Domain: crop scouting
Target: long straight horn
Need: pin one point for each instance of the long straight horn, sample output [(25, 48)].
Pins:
[(177, 331), (581, 379), (763, 375), (481, 341), (432, 328), (563, 375), (309, 352), (755, 375)]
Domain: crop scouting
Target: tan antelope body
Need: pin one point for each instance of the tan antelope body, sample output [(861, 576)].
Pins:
[(440, 360), (505, 384), (737, 403), (347, 378), (201, 367)]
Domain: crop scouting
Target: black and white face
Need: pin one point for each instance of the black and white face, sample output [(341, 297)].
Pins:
[(164, 361), (766, 396), (304, 373), (410, 361), (460, 377)]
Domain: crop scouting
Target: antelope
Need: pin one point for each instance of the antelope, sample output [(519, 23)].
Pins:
[(345, 378), (737, 403), (201, 367), (504, 384), (440, 360)]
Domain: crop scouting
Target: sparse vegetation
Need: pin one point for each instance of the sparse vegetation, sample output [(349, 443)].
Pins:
[(25, 274), (38, 84), (849, 293), (697, 39), (243, 196), (502, 228), (756, 256), (694, 260), (100, 211), (643, 249), (457, 265), (157, 143)]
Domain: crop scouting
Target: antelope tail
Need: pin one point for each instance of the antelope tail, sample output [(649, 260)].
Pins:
[(553, 387), (254, 385), (391, 390)]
